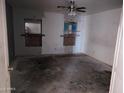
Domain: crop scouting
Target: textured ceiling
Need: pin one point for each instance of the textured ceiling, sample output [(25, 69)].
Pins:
[(93, 6)]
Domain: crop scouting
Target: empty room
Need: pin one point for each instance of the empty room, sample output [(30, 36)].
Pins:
[(60, 46)]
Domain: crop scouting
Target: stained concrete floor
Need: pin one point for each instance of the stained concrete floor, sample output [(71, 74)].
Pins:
[(60, 74)]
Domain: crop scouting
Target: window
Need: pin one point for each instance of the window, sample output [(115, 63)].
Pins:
[(69, 39), (33, 33), (70, 29)]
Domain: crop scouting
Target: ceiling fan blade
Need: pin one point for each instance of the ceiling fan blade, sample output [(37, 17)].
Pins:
[(81, 8), (62, 7)]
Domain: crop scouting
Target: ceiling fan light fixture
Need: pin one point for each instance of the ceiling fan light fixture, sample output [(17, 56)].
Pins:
[(72, 13)]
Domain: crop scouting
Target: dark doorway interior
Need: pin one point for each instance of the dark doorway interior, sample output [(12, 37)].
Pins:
[(10, 31)]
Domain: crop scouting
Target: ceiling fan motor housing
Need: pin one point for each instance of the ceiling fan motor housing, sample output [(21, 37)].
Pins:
[(72, 8)]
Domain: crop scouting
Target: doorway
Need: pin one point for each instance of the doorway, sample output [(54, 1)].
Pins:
[(58, 73)]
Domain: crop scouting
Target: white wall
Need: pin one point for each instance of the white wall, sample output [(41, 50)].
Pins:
[(53, 24), (19, 16), (52, 27), (116, 85), (118, 70), (101, 32), (4, 59)]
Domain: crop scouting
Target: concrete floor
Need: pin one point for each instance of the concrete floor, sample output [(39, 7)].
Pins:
[(60, 74)]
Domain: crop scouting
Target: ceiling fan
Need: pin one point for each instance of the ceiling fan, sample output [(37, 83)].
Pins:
[(72, 8)]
